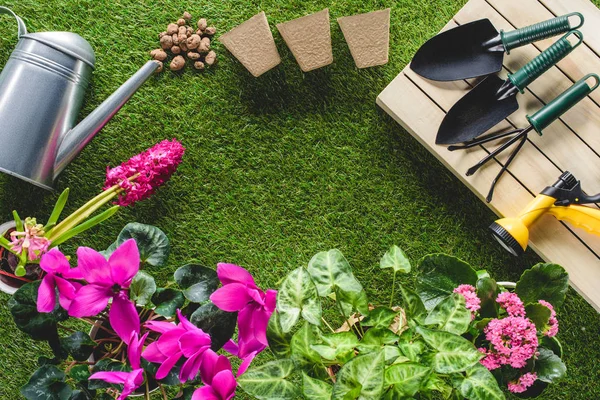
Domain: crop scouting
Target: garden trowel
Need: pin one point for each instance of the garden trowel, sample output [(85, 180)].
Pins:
[(493, 99), (477, 48)]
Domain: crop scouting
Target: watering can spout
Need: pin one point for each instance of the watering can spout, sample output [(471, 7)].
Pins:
[(75, 139)]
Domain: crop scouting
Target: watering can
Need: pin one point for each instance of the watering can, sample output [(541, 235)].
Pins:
[(42, 88)]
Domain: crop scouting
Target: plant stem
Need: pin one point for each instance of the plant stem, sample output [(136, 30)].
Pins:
[(164, 393), (393, 287), (329, 326), (147, 390)]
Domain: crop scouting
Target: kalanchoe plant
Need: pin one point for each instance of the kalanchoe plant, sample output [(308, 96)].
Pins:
[(130, 182)]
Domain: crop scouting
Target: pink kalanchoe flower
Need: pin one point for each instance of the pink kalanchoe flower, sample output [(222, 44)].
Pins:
[(177, 341), (58, 275), (472, 302), (523, 383), (552, 322), (240, 293), (513, 341), (217, 376), (31, 240), (130, 380), (511, 303), (109, 280), (152, 167)]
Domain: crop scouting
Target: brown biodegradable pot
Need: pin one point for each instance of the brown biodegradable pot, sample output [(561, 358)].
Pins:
[(9, 282)]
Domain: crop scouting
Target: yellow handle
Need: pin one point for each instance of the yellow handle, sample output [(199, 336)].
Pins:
[(587, 218)]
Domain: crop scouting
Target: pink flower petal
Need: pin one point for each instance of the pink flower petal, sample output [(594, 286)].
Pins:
[(134, 349), (212, 363), (168, 343), (73, 273), (167, 366), (46, 299), (246, 363), (231, 273), (66, 291), (94, 267), (231, 297), (231, 347), (193, 341), (125, 263), (89, 301), (205, 393), (123, 316), (134, 380), (54, 262), (153, 354), (184, 322), (224, 384), (271, 300), (117, 378), (160, 326), (190, 368)]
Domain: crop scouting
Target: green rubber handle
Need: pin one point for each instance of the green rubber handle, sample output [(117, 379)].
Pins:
[(539, 31), (543, 62), (567, 99)]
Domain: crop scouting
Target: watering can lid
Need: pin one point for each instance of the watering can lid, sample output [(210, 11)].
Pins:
[(67, 42)]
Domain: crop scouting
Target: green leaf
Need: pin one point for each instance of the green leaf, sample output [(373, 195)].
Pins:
[(548, 366), (337, 346), (478, 384), (543, 282), (142, 288), (88, 224), (376, 338), (396, 259), (365, 374), (270, 381), (438, 276), (409, 346), (152, 243), (198, 282), (330, 269), (407, 378), (58, 209), (302, 353), (23, 307), (219, 324), (450, 315), (298, 296), (18, 221), (279, 341), (553, 344), (167, 301), (79, 345), (47, 383), (393, 355), (80, 373), (539, 315), (351, 301), (453, 353), (435, 383), (413, 305), (487, 291), (315, 389), (380, 317)]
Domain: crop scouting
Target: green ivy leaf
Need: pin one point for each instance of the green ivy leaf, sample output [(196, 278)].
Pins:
[(167, 301), (413, 305), (380, 317), (279, 341), (47, 383), (407, 378), (453, 353), (539, 315), (543, 282), (198, 282), (270, 381), (450, 315), (337, 346), (363, 377), (375, 339), (142, 288), (487, 291), (478, 384), (79, 345), (330, 269), (438, 276), (315, 389), (396, 259), (298, 296), (548, 366), (219, 324), (302, 353), (152, 243)]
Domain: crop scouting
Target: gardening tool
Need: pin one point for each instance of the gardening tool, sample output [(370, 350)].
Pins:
[(562, 200), (477, 49), (538, 121), (493, 99), (42, 87)]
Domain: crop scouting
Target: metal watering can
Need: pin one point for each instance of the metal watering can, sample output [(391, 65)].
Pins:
[(42, 87)]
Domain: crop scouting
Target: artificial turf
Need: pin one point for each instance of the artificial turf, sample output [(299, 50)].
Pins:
[(277, 168)]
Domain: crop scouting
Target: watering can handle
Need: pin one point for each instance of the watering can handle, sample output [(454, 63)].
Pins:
[(22, 30)]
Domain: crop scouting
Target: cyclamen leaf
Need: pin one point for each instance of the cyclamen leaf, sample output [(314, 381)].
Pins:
[(330, 269), (543, 282), (396, 259), (548, 366), (407, 378), (79, 345), (142, 288), (363, 376), (315, 389), (167, 301), (279, 341), (269, 381), (450, 315), (298, 296), (219, 324), (47, 383), (479, 384), (198, 282), (454, 353), (152, 242)]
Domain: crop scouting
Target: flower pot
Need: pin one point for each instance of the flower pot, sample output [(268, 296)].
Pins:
[(10, 283)]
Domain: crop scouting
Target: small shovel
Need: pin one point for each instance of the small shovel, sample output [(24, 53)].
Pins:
[(538, 121), (493, 99), (477, 49)]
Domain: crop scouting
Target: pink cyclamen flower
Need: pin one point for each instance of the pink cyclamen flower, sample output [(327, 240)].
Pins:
[(552, 322), (523, 383), (31, 240), (511, 303), (472, 302), (152, 169), (177, 341), (58, 275), (218, 378), (109, 280), (513, 341), (240, 293), (130, 380)]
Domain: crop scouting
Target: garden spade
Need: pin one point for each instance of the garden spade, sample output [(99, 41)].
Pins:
[(493, 99), (477, 48)]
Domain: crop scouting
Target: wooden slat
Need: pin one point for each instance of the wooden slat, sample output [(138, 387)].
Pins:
[(590, 11)]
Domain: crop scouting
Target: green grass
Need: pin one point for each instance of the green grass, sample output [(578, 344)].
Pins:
[(277, 168)]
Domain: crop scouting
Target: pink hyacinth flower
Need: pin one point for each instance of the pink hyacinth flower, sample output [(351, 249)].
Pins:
[(32, 240), (523, 383), (109, 280), (58, 275), (240, 293), (552, 322), (184, 340), (220, 384), (130, 380)]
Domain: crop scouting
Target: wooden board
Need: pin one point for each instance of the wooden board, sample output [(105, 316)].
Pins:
[(572, 143)]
